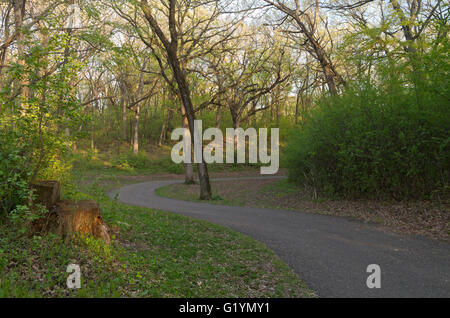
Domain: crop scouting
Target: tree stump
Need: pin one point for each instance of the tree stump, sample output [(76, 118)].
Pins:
[(47, 193), (81, 217), (67, 217)]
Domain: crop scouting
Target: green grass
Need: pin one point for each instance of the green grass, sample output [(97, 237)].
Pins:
[(277, 189), (159, 162), (156, 254), (106, 164), (284, 186), (177, 191)]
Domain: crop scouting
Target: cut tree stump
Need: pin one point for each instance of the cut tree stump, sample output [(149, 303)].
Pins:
[(67, 217), (47, 193), (81, 217)]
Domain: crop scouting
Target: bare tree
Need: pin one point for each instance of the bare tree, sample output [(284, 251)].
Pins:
[(306, 18), (170, 45)]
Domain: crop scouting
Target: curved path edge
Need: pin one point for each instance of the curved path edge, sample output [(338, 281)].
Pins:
[(330, 254)]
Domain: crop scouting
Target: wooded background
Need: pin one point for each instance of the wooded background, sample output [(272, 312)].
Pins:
[(359, 88)]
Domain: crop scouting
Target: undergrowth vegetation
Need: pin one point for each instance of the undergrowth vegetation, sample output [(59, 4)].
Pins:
[(387, 139), (154, 254)]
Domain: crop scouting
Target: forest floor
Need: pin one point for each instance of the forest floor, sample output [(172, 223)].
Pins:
[(154, 254), (425, 218), (160, 254)]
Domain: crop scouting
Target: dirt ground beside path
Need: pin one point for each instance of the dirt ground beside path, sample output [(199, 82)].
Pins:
[(426, 218)]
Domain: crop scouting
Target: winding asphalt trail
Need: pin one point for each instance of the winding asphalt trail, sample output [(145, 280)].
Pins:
[(330, 254)]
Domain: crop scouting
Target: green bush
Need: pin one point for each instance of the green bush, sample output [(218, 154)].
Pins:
[(15, 172), (32, 126), (142, 162), (139, 161), (390, 140), (132, 161)]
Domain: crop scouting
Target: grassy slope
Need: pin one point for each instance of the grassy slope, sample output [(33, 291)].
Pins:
[(156, 254)]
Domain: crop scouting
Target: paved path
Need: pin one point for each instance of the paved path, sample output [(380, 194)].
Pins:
[(330, 254)]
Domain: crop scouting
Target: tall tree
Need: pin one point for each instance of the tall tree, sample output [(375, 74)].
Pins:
[(306, 18), (170, 45)]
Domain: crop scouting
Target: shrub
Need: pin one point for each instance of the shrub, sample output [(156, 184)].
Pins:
[(32, 137), (130, 160), (369, 143), (15, 172)]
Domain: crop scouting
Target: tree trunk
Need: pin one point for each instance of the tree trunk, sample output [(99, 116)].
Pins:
[(81, 217), (327, 68), (124, 112), (19, 12), (179, 76), (136, 130), (189, 173), (5, 49), (218, 117), (46, 193), (137, 109), (163, 130), (188, 168), (67, 218), (235, 119), (203, 176), (407, 24), (277, 108), (169, 120), (316, 50), (92, 136)]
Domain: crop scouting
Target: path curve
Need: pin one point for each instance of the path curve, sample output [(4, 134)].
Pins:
[(330, 254)]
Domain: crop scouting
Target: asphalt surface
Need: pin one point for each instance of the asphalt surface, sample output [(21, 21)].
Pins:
[(330, 254)]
